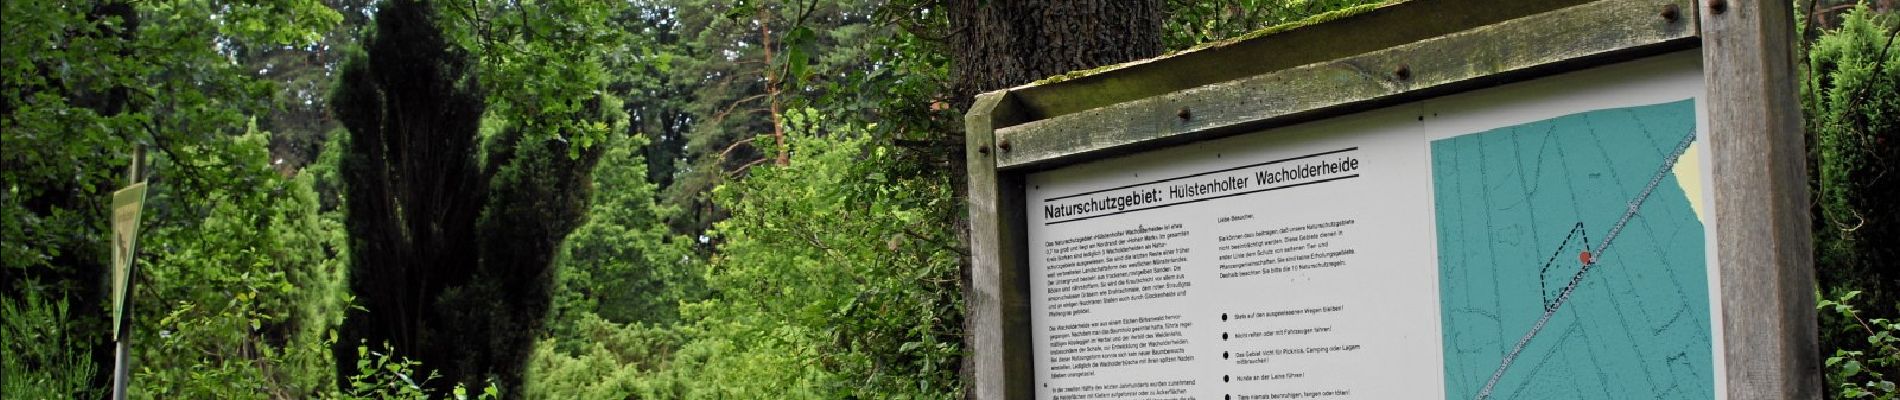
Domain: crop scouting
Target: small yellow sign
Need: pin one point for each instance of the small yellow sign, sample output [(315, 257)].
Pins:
[(126, 204)]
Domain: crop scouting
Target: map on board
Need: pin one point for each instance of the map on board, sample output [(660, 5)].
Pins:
[(1571, 258)]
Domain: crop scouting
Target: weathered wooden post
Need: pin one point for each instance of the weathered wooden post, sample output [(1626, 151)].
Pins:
[(1428, 199), (1761, 200)]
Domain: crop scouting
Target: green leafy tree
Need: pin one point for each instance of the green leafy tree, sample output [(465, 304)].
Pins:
[(717, 74), (623, 264), (827, 282), (240, 301), (653, 76), (846, 58), (85, 82), (298, 116)]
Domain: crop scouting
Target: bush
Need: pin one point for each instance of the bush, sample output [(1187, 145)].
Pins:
[(1854, 374), (832, 276), (382, 376), (239, 293), (44, 359), (829, 282), (609, 361), (1852, 101), (1853, 105)]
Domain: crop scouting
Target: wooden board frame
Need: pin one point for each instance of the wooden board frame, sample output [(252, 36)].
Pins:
[(1756, 149)]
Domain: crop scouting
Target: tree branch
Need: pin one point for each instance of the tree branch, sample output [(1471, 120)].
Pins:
[(721, 116)]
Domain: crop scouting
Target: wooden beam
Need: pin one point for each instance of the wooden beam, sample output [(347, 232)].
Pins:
[(1272, 49), (1565, 39), (1761, 200), (996, 309)]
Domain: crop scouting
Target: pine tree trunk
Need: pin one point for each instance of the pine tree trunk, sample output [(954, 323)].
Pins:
[(999, 44), (772, 81), (1004, 43)]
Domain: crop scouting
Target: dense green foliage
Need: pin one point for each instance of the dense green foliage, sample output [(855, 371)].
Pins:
[(624, 265), (558, 199), (1852, 99), (1865, 370), (264, 290), (84, 83), (46, 357), (810, 298), (1193, 22)]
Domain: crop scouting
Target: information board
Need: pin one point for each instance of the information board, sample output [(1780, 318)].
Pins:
[(1544, 239)]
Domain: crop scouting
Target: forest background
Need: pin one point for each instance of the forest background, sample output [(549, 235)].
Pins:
[(620, 199)]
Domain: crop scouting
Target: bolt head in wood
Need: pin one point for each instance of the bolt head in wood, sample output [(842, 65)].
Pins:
[(1671, 12), (1718, 6), (1404, 73), (1003, 145), (1184, 114), (983, 149)]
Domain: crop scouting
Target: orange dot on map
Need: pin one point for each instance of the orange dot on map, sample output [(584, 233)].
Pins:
[(1584, 257)]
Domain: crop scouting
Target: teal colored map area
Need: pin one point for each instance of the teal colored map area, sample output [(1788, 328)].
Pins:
[(1571, 261)]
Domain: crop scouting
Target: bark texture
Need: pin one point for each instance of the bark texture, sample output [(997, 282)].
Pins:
[(999, 44)]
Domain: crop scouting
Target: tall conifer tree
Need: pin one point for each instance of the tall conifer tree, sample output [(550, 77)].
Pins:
[(452, 233)]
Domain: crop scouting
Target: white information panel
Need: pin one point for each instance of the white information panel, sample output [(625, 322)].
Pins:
[(1544, 239)]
